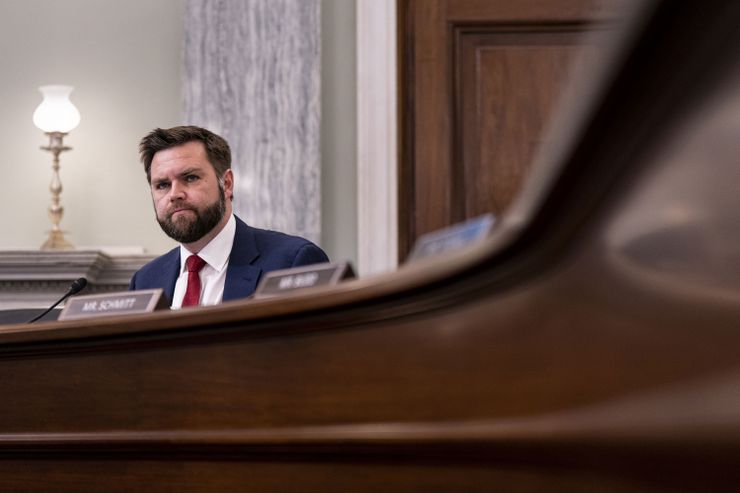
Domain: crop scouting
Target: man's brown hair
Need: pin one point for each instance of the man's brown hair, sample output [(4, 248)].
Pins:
[(159, 139)]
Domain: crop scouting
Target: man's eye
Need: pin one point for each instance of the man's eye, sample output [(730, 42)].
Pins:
[(161, 185), (191, 178)]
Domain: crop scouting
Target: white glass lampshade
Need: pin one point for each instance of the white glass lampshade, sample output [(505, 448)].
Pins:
[(56, 113)]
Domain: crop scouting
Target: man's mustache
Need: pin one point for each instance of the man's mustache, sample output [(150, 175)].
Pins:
[(180, 207)]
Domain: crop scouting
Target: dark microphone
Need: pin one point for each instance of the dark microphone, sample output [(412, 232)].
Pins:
[(74, 288)]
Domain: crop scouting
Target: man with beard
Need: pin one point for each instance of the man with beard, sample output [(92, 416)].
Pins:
[(220, 257)]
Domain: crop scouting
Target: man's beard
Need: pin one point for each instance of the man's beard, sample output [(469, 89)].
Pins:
[(185, 230)]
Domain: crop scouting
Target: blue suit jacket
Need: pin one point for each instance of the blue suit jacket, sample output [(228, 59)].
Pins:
[(254, 251)]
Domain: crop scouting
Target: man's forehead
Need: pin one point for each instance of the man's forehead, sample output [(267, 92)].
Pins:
[(189, 150), (177, 159)]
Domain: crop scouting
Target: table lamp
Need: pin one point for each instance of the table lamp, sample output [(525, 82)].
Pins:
[(56, 116)]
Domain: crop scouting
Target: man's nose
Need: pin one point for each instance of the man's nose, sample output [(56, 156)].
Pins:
[(177, 191)]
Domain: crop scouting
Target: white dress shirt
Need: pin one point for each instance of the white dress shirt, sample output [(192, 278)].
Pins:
[(213, 275)]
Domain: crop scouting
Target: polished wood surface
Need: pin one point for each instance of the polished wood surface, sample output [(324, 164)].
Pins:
[(590, 344)]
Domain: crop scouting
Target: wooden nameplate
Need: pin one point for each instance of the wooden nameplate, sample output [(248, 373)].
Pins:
[(284, 281), (118, 303)]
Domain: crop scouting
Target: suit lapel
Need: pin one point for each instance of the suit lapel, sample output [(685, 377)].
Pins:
[(241, 281), (171, 271), (241, 275)]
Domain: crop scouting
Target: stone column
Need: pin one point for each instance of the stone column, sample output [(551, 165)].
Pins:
[(252, 75)]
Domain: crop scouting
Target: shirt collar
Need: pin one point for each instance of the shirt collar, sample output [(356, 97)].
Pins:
[(216, 253)]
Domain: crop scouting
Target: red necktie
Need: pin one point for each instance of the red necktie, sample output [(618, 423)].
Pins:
[(192, 295)]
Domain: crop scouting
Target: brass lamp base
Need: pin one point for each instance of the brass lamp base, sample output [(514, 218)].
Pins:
[(56, 241)]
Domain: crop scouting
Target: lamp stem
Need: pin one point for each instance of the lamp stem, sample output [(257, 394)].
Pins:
[(56, 240)]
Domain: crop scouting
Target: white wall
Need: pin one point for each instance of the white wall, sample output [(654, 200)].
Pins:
[(377, 128), (124, 59), (338, 130)]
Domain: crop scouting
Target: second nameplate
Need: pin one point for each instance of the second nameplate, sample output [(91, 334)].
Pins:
[(284, 281)]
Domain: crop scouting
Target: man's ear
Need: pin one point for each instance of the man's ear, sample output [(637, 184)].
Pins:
[(228, 181)]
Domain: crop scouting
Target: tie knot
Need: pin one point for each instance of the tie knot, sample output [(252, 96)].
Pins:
[(194, 263)]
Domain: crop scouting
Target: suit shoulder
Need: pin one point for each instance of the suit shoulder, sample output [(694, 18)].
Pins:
[(276, 237), (288, 250)]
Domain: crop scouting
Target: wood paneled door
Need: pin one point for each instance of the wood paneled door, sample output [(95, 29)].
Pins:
[(479, 80)]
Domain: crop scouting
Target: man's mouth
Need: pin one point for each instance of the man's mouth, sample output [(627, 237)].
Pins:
[(180, 211)]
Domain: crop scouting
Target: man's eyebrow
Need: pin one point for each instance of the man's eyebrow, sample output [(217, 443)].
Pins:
[(189, 171), (183, 173)]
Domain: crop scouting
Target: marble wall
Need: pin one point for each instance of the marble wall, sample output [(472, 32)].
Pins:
[(252, 75)]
